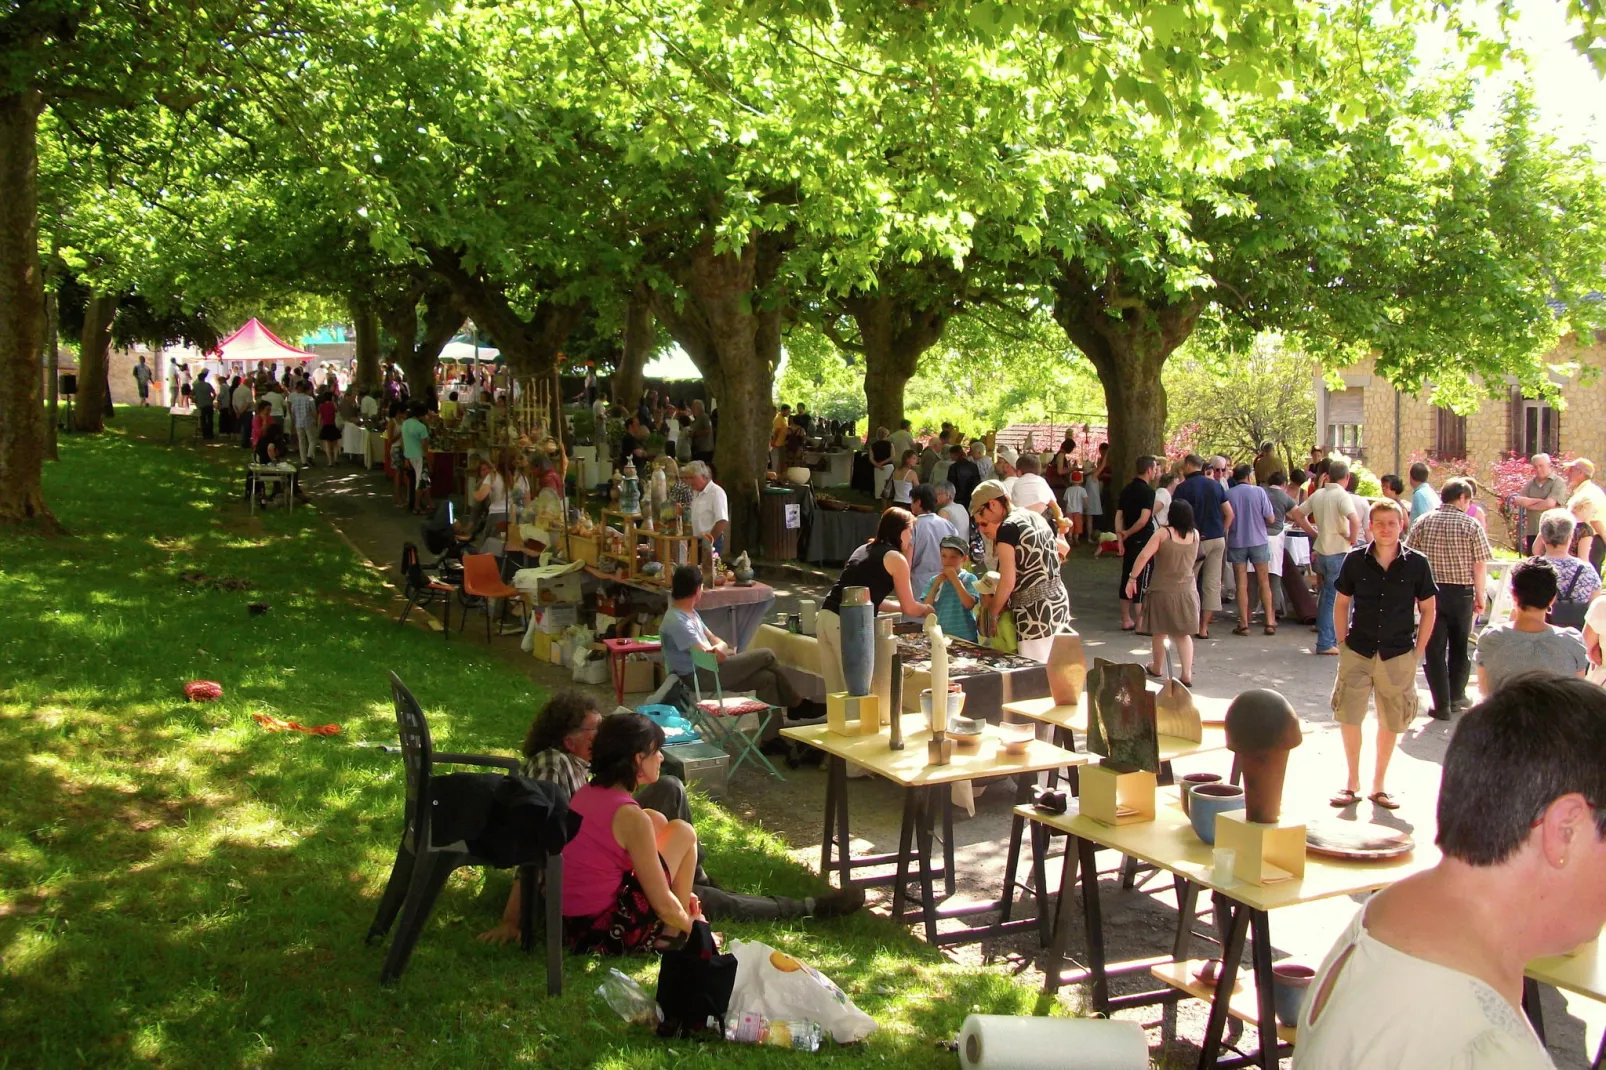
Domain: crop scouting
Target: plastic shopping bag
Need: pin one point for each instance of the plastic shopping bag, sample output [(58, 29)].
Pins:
[(778, 986)]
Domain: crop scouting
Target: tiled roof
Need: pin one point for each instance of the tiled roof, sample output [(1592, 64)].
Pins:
[(1046, 437)]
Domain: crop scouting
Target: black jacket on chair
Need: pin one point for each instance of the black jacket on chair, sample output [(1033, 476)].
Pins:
[(506, 820)]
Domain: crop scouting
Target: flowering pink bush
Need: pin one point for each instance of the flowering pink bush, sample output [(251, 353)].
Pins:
[(1182, 442), (1503, 479)]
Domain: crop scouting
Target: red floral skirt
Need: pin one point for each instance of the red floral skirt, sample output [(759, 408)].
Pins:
[(630, 926)]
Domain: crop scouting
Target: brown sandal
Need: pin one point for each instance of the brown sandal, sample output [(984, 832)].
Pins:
[(1271, 629), (1385, 800), (1344, 798)]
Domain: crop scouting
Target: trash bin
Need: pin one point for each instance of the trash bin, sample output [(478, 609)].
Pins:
[(780, 541)]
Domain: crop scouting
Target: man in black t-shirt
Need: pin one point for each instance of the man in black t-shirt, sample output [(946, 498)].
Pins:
[(630, 446), (1134, 525), (963, 474)]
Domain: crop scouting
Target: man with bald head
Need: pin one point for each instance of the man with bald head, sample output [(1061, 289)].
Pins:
[(1546, 490)]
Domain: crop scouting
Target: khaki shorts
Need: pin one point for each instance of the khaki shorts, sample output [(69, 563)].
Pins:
[(1392, 681)]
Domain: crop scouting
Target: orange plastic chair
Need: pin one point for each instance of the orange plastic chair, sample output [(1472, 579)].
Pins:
[(482, 581)]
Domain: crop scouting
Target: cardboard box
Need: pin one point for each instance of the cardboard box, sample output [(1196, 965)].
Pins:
[(557, 589), (556, 618), (640, 675)]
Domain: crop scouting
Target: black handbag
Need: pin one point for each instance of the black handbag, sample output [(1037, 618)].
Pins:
[(694, 985), (1566, 613)]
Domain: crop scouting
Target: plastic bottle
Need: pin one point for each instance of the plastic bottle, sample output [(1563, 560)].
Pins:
[(751, 1027)]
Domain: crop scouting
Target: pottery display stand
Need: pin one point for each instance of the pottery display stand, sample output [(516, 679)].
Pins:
[(939, 749), (1265, 853), (673, 550), (1111, 797), (852, 715), (626, 522)]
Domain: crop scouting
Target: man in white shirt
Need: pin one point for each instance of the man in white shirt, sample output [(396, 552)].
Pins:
[(710, 510), (1430, 971), (902, 439), (1030, 490), (1336, 528), (951, 510)]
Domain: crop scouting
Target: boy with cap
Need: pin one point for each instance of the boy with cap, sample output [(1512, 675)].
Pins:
[(952, 592)]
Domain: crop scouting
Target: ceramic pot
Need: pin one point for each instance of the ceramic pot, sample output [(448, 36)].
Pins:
[(1263, 784), (1289, 983), (956, 705), (1208, 801), (858, 640), (1190, 781)]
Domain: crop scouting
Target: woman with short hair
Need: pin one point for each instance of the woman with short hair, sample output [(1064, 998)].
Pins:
[(1527, 643), (1576, 580)]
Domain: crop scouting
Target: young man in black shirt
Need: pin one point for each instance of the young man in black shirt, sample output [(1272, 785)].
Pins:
[(1381, 645)]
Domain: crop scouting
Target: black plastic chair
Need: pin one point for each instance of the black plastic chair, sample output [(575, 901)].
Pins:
[(423, 590), (422, 866)]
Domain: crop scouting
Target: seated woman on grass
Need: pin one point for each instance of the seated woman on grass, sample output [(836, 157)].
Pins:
[(627, 874)]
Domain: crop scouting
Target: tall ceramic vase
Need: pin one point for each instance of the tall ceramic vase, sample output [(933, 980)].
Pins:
[(858, 640), (1264, 772)]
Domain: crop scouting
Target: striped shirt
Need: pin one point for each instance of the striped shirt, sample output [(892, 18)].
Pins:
[(559, 767)]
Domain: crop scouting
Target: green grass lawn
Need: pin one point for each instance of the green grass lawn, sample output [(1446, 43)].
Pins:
[(179, 887)]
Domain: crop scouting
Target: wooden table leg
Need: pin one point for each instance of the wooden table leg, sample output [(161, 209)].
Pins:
[(1040, 842), (1012, 858), (1266, 1024), (1093, 921), (830, 812), (1062, 921), (928, 892), (1232, 950), (1187, 907), (900, 882), (948, 876), (844, 849)]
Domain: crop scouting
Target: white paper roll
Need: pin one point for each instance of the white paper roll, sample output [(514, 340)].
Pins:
[(1001, 1042)]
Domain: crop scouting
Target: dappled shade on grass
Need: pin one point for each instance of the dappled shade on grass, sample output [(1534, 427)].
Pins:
[(179, 886)]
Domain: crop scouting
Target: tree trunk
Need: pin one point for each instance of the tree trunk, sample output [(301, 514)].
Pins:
[(93, 364), (22, 314), (729, 323), (418, 353), (1127, 340), (626, 385), (366, 323), (894, 333), (530, 346)]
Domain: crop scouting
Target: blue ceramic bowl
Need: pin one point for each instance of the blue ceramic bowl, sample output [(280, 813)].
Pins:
[(1289, 984), (1208, 800)]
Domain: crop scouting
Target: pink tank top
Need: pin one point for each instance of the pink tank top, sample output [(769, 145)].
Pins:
[(594, 865)]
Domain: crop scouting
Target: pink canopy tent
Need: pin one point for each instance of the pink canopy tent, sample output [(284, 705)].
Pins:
[(254, 342)]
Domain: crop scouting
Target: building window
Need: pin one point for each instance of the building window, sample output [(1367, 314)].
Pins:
[(1540, 428), (1452, 437), (1345, 438)]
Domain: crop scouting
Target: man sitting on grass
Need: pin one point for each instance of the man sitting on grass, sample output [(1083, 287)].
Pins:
[(558, 749)]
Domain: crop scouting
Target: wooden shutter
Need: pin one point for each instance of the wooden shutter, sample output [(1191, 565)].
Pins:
[(1515, 421), (1452, 436)]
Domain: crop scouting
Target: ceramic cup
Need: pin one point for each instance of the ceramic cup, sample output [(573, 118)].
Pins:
[(1190, 781), (1208, 801), (1290, 981)]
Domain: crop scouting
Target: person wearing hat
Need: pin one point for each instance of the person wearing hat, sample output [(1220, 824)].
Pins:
[(1029, 555), (1587, 503), (952, 593)]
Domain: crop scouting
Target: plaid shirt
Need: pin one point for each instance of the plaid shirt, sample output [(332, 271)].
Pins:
[(558, 766), (1452, 542)]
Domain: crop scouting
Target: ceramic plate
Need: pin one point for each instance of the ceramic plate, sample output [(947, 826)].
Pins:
[(1357, 842)]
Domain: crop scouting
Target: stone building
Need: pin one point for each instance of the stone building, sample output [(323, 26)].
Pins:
[(1386, 429)]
